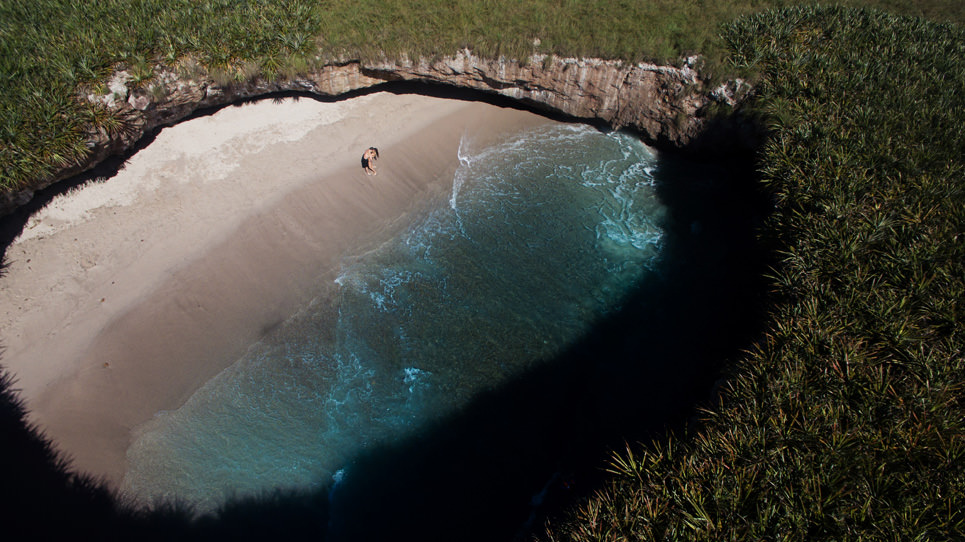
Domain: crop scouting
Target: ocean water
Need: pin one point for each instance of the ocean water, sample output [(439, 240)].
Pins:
[(541, 236)]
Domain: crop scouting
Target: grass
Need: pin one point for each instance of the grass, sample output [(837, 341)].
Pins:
[(845, 421), (54, 51)]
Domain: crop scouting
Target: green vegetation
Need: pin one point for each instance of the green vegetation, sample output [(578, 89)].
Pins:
[(845, 421), (52, 51)]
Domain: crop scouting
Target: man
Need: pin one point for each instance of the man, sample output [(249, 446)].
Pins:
[(371, 154)]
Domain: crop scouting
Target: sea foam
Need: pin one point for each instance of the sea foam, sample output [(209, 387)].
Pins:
[(543, 234)]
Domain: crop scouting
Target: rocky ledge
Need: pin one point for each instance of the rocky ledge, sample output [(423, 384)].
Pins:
[(668, 106)]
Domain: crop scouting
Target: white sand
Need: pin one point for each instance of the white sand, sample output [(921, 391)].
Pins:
[(124, 296)]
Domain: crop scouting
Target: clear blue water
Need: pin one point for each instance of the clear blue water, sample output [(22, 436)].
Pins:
[(541, 235)]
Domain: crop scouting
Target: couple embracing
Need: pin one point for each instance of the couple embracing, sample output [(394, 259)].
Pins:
[(370, 155)]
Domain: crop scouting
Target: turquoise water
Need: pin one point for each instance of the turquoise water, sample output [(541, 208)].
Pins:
[(541, 236)]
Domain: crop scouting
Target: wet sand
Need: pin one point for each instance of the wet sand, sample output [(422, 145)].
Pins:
[(123, 297)]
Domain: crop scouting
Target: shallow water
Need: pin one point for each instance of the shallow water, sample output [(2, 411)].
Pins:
[(540, 237)]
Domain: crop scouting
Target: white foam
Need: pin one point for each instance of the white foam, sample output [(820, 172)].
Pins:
[(465, 161), (415, 377), (379, 379)]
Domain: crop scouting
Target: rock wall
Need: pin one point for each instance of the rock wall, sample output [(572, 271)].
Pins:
[(665, 104)]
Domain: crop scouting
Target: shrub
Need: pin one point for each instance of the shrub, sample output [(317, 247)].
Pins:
[(845, 421)]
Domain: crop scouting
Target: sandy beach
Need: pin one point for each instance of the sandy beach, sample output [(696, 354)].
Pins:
[(124, 296)]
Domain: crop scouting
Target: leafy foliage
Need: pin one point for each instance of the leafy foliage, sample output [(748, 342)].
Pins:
[(50, 50), (845, 421)]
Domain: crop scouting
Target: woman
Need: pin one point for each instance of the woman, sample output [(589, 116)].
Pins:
[(371, 154)]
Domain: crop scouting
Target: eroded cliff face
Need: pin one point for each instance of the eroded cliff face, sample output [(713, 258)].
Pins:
[(645, 97), (666, 105)]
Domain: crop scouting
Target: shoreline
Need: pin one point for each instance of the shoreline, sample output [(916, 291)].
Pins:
[(125, 296)]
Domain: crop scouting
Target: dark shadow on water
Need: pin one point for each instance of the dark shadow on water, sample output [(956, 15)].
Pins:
[(539, 442), (515, 455)]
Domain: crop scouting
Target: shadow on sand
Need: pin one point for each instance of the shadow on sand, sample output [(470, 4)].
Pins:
[(12, 224), (495, 470)]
